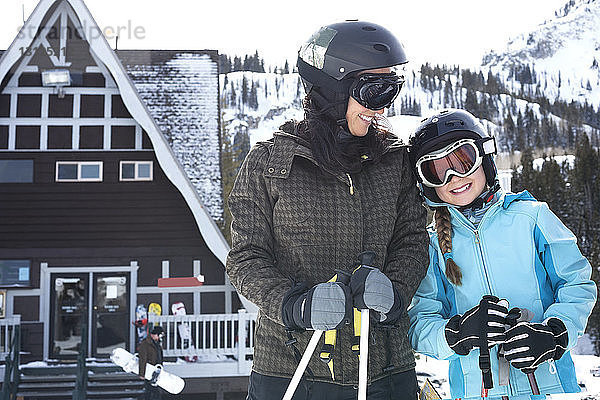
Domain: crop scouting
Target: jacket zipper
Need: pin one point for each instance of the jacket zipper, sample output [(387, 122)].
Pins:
[(485, 271), (351, 184)]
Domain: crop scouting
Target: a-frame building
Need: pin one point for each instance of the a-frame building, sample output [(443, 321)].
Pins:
[(109, 180)]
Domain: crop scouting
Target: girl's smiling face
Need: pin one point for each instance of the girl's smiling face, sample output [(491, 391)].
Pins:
[(462, 191)]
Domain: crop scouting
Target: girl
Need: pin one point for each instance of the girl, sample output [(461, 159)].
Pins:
[(489, 245)]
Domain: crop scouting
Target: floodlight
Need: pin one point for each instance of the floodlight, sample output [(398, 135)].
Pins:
[(58, 78)]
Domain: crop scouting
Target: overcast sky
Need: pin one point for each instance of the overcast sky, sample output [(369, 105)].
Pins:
[(438, 31)]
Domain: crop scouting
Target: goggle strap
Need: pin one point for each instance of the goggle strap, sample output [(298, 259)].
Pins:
[(489, 146)]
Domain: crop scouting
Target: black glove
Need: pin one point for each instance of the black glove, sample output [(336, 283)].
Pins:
[(372, 289), (463, 332), (527, 345), (323, 307)]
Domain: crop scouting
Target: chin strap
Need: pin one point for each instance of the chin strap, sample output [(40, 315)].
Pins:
[(483, 198)]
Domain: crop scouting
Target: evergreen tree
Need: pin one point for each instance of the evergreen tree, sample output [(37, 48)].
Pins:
[(253, 96), (237, 63), (245, 90)]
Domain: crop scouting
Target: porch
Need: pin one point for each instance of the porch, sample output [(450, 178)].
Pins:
[(222, 344)]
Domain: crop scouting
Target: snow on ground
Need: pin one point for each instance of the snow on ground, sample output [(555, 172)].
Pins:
[(585, 366), (404, 126), (569, 158)]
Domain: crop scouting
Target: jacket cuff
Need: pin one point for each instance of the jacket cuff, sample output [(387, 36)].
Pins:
[(287, 305), (444, 350)]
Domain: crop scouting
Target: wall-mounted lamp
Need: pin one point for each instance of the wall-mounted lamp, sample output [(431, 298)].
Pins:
[(58, 78)]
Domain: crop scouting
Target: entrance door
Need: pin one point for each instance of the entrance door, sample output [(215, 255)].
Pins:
[(110, 316), (69, 299)]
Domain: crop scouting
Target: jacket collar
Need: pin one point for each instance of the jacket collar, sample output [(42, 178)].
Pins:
[(286, 146), (459, 219), (511, 197)]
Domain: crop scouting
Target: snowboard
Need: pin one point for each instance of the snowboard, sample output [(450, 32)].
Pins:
[(141, 322), (130, 363), (154, 309), (184, 329)]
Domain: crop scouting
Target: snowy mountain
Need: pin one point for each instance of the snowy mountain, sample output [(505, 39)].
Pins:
[(564, 52), (541, 91)]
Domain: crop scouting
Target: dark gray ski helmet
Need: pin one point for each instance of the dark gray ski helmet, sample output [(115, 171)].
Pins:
[(445, 127), (335, 53)]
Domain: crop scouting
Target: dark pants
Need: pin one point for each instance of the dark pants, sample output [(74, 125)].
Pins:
[(152, 392), (400, 386)]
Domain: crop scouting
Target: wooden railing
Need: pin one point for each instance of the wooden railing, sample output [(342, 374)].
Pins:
[(10, 348), (214, 337), (7, 327)]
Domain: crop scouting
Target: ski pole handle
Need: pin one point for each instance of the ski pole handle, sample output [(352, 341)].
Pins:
[(364, 354), (516, 315), (310, 349)]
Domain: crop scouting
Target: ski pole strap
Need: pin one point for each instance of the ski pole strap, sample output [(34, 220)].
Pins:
[(356, 338), (291, 342), (326, 354)]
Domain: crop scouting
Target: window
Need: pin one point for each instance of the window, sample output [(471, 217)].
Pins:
[(16, 171), (136, 171), (15, 273), (79, 171)]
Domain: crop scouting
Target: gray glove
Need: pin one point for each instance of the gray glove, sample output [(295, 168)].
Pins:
[(372, 289), (325, 306)]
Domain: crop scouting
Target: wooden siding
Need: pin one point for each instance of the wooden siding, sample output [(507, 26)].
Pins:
[(101, 223)]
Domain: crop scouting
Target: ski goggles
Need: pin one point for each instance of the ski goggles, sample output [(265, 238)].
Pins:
[(460, 158), (376, 91)]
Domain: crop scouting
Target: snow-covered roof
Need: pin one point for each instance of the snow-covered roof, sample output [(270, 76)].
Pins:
[(181, 91)]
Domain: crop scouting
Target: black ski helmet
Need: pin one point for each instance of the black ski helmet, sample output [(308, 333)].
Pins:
[(337, 52), (443, 128)]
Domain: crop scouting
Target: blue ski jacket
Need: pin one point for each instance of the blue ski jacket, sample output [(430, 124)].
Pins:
[(521, 252)]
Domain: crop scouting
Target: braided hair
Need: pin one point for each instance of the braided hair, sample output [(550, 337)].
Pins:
[(443, 227)]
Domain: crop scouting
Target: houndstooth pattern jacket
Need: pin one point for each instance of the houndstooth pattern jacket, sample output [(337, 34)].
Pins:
[(294, 223)]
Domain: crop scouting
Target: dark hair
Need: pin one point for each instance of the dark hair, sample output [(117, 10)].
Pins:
[(333, 148)]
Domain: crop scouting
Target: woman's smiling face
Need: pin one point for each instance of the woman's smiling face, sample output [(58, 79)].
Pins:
[(360, 118)]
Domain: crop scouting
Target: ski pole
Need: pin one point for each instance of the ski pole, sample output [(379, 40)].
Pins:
[(364, 354), (484, 352), (516, 315), (310, 349)]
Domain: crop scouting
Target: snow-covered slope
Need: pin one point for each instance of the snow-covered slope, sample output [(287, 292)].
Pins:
[(557, 61), (563, 51)]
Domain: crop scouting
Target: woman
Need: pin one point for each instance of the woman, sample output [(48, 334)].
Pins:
[(491, 251), (305, 205)]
